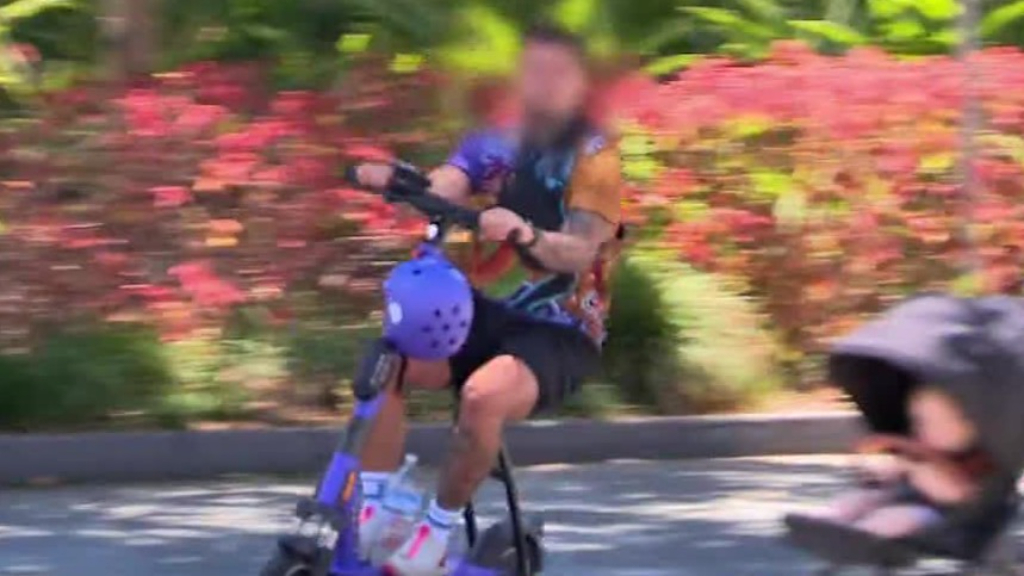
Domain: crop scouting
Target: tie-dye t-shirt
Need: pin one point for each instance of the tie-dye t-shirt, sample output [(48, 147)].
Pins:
[(542, 186)]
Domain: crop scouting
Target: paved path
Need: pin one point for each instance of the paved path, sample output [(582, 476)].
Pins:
[(613, 519)]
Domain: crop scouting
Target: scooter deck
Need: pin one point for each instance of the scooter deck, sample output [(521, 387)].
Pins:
[(845, 546), (460, 569)]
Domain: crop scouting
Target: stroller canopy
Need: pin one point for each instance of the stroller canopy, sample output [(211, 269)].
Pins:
[(973, 348)]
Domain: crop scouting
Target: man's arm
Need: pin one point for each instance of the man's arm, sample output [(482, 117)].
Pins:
[(576, 246), (446, 181), (593, 202), (450, 183)]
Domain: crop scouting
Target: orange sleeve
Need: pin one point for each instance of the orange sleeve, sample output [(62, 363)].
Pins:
[(596, 182)]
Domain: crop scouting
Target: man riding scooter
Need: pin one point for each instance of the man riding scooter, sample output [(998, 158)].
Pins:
[(555, 185)]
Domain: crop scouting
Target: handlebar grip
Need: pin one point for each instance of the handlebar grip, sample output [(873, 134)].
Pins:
[(410, 186), (409, 177)]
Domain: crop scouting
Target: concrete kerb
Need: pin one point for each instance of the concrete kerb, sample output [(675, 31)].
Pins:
[(145, 456)]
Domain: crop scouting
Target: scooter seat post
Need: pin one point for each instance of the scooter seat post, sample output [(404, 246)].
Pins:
[(515, 514)]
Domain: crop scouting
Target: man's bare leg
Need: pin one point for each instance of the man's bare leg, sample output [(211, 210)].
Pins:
[(382, 452), (500, 391)]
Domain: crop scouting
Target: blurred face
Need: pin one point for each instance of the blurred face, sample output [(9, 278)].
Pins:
[(938, 421), (552, 86)]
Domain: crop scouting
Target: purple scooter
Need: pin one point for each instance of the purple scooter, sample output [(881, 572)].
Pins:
[(427, 316)]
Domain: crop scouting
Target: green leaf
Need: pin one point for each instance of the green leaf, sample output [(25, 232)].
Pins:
[(772, 184), (766, 10), (669, 64), (490, 48), (664, 33), (941, 10), (748, 127), (353, 43), (887, 9), (967, 285), (265, 33), (636, 144), (731, 22), (947, 38), (406, 63), (640, 168), (1001, 18), (831, 31), (577, 15), (938, 162), (690, 210), (744, 50), (21, 9), (841, 11), (903, 30)]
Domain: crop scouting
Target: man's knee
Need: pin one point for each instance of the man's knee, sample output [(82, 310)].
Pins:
[(502, 389)]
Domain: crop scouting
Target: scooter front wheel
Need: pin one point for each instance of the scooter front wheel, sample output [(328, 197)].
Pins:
[(283, 564), (298, 556)]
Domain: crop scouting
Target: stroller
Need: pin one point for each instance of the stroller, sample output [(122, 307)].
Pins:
[(973, 350)]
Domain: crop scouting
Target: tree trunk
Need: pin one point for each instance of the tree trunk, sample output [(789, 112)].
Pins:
[(130, 34)]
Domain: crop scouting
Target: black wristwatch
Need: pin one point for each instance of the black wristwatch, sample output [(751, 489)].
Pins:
[(523, 249), (537, 232)]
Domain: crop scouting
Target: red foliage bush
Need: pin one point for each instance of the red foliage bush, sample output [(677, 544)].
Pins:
[(174, 201), (831, 185), (827, 185)]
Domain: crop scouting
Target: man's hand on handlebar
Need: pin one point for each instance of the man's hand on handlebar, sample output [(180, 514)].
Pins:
[(374, 176), (500, 224)]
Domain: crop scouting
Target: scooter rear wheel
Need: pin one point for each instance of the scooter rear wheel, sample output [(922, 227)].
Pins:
[(283, 564), (534, 554)]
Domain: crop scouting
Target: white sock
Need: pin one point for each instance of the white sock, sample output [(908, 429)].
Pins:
[(374, 484), (441, 521)]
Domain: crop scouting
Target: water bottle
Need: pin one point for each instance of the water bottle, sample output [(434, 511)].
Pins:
[(403, 504)]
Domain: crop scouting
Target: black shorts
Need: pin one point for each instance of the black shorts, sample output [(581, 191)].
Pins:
[(561, 357)]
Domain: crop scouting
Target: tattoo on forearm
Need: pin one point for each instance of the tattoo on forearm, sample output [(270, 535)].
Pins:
[(576, 246), (586, 224)]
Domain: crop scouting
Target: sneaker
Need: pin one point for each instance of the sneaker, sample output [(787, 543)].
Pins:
[(423, 554)]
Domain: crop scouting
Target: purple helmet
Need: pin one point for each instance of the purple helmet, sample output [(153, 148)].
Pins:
[(428, 308)]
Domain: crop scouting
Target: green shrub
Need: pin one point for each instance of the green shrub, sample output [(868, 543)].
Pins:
[(681, 341), (323, 358), (217, 379), (77, 376)]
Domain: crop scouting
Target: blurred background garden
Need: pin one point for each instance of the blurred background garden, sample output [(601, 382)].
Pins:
[(177, 246)]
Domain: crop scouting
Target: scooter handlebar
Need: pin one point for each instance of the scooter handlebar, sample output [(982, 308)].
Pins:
[(410, 186)]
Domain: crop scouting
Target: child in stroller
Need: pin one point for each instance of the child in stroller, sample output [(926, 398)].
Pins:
[(940, 383)]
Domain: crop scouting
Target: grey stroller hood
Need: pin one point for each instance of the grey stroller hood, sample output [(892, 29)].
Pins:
[(973, 348)]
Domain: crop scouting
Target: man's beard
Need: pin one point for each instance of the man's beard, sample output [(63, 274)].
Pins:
[(542, 129)]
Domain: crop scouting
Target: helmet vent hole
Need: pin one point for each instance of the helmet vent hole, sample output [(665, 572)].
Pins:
[(451, 342), (435, 344), (428, 329), (445, 328), (455, 309), (437, 312), (416, 271), (463, 324)]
